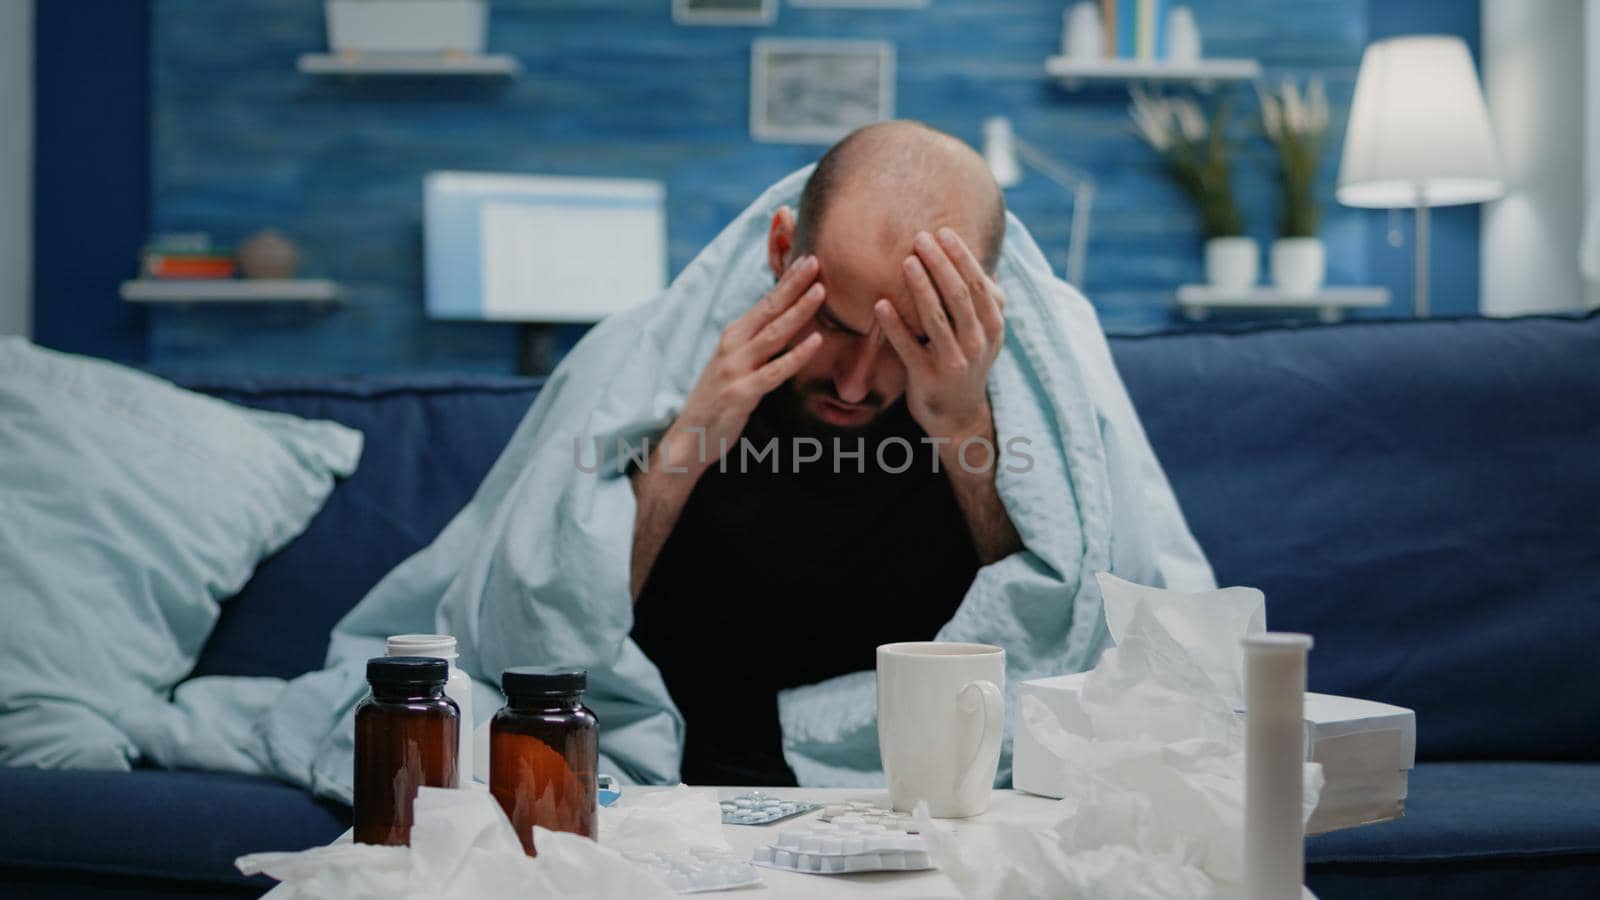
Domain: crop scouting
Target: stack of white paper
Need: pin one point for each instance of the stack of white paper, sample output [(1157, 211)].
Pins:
[(1366, 749)]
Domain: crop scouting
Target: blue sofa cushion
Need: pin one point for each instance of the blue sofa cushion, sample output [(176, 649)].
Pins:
[(148, 823), (1473, 829), (1422, 497), (429, 442)]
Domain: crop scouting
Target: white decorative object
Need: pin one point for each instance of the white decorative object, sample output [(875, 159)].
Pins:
[(529, 248), (1001, 149), (1082, 35), (1589, 252), (724, 12), (1298, 265), (1232, 263), (1274, 763), (268, 254), (1183, 37), (817, 91), (1418, 137), (407, 26)]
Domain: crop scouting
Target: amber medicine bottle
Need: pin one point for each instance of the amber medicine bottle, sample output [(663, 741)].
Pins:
[(544, 746), (407, 732)]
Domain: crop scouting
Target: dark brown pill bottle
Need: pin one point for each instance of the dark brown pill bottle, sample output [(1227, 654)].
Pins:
[(544, 747), (406, 738)]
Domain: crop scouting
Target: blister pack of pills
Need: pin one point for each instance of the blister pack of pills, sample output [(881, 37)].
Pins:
[(698, 870), (869, 814), (758, 808), (841, 847)]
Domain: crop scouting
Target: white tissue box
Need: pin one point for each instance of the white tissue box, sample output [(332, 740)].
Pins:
[(1366, 749)]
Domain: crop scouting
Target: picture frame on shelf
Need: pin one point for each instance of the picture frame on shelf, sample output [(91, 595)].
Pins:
[(816, 91), (724, 12)]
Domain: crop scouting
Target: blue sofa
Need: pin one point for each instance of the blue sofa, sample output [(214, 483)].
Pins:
[(1423, 497)]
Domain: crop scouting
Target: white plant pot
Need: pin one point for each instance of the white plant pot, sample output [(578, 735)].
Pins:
[(1232, 263), (407, 26), (1299, 265)]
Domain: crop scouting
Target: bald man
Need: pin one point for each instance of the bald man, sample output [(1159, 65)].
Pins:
[(829, 484)]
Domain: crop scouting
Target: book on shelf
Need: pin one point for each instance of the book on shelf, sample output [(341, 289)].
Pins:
[(1135, 29), (188, 265)]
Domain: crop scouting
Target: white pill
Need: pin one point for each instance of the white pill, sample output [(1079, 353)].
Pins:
[(917, 859)]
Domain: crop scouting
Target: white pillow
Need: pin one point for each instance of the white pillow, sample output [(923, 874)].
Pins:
[(129, 509)]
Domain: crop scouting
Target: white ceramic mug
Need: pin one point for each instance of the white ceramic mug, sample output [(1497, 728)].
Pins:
[(941, 714)]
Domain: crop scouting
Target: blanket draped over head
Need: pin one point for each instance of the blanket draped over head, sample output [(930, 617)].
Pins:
[(535, 569)]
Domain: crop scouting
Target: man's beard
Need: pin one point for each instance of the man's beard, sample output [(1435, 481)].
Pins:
[(793, 418)]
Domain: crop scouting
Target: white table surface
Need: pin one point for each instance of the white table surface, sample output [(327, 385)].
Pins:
[(926, 885)]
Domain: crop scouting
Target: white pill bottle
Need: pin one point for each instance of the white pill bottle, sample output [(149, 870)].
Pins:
[(457, 688)]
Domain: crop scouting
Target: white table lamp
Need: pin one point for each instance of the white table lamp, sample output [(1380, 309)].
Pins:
[(1001, 149), (1419, 136)]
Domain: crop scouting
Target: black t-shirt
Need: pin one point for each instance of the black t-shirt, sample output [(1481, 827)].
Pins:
[(772, 580)]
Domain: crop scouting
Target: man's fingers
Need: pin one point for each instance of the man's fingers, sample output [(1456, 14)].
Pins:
[(934, 320), (986, 297), (776, 333), (796, 278), (784, 367), (957, 295), (894, 328)]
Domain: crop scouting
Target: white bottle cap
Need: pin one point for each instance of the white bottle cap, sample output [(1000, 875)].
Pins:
[(439, 646)]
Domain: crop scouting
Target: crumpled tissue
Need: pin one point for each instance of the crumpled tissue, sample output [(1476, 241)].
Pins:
[(462, 848), (671, 821), (1153, 805)]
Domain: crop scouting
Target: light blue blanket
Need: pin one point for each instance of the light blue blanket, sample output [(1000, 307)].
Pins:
[(535, 569)]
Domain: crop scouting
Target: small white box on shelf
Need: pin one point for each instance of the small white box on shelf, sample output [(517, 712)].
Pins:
[(407, 26)]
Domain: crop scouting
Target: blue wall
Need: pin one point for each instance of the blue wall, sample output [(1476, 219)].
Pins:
[(239, 140)]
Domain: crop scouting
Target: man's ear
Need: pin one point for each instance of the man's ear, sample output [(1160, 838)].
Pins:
[(780, 241)]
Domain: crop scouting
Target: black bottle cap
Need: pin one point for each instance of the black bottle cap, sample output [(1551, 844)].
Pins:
[(401, 671), (543, 681)]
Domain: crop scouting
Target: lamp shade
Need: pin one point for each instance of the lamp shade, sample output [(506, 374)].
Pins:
[(1419, 128), (1000, 151)]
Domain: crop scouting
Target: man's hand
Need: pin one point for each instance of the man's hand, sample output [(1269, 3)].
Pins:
[(960, 310), (743, 369), (749, 363)]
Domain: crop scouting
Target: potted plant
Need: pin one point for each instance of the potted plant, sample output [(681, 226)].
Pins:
[(407, 26), (1296, 124), (1199, 157)]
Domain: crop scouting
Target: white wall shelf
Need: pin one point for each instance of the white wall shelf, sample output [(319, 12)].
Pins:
[(1205, 73), (230, 290), (453, 64), (1197, 300)]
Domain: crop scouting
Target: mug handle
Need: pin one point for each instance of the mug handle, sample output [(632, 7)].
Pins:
[(973, 695)]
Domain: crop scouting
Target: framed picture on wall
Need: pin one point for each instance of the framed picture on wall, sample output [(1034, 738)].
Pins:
[(817, 91), (724, 12)]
